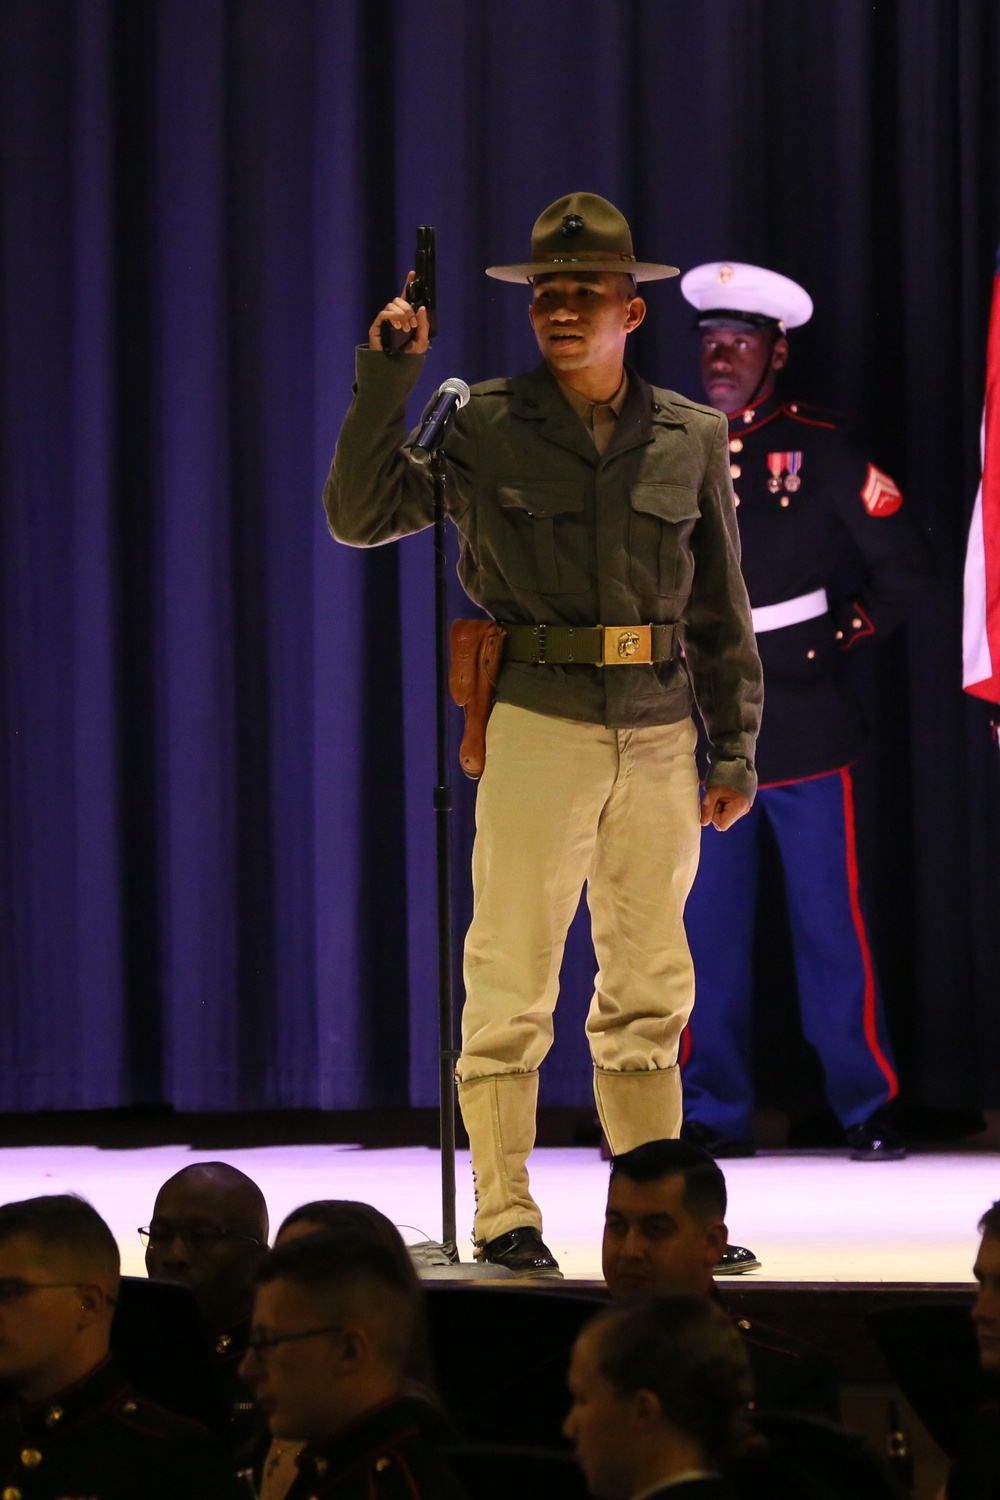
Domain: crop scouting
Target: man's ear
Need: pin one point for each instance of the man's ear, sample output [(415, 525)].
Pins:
[(634, 313), (357, 1344), (716, 1240), (779, 354), (93, 1301), (646, 1410)]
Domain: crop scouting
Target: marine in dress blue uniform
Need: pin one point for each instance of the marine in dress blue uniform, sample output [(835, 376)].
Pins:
[(808, 496)]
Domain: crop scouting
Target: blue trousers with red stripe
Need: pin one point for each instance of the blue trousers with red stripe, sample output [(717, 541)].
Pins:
[(813, 822)]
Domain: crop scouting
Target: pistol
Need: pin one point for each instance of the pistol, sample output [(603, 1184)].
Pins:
[(421, 292)]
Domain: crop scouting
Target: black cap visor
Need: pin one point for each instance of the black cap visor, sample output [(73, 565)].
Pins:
[(729, 317)]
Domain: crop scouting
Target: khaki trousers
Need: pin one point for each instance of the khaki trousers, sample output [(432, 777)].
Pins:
[(561, 804)]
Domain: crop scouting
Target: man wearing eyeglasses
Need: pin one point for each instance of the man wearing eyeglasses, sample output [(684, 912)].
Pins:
[(74, 1426), (333, 1328), (208, 1232)]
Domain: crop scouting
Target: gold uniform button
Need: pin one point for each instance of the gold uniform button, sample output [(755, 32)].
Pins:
[(735, 471), (128, 1406), (31, 1458), (810, 655), (784, 502), (856, 623), (745, 1324), (736, 445), (223, 1343), (793, 407), (839, 635), (382, 1465), (53, 1416), (736, 499), (11, 1493)]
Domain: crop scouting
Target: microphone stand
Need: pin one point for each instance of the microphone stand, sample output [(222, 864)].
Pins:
[(448, 1056), (447, 1053)]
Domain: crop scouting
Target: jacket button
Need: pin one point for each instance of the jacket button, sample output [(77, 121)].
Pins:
[(736, 499), (31, 1458), (11, 1493), (735, 471), (839, 636), (736, 445), (810, 656), (745, 1324), (784, 502), (856, 623)]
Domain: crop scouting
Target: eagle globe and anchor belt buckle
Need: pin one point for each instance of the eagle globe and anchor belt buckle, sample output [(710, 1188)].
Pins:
[(632, 644)]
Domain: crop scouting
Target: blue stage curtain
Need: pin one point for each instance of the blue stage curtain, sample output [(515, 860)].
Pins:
[(216, 834)]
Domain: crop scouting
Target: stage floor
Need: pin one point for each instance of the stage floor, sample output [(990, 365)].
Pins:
[(810, 1217)]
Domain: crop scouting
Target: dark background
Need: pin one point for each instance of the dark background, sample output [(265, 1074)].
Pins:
[(216, 840)]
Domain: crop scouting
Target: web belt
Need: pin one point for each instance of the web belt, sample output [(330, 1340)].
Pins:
[(589, 645)]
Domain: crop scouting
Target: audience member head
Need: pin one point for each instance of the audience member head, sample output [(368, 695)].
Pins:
[(665, 1226), (333, 1327), (335, 1215), (345, 1215), (986, 1313), (209, 1232), (59, 1271), (660, 1388)]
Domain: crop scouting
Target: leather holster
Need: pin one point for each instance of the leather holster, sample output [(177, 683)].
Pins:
[(476, 653)]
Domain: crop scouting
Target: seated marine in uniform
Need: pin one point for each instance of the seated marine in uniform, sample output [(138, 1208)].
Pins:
[(209, 1232), (275, 1463), (663, 1233), (75, 1427), (333, 1333), (975, 1472), (660, 1389)]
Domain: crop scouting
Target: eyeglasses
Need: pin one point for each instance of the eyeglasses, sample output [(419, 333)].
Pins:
[(15, 1289), (193, 1235), (261, 1345)]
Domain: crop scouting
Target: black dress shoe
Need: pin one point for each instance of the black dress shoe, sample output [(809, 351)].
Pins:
[(735, 1260), (715, 1144), (522, 1251), (875, 1140)]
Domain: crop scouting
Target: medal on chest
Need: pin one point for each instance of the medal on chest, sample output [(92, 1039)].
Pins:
[(784, 471)]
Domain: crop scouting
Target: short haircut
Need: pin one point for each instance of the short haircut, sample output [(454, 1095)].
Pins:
[(69, 1225), (686, 1351), (704, 1184), (990, 1222), (368, 1276), (340, 1216), (346, 1215)]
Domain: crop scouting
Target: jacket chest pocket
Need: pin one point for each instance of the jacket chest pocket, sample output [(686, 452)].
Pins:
[(660, 525), (543, 542)]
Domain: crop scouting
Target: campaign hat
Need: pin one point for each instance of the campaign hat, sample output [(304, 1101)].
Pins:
[(732, 294), (581, 232)]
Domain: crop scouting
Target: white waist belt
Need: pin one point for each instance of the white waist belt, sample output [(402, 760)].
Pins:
[(790, 611)]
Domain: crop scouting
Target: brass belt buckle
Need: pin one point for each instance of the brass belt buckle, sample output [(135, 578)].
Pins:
[(626, 645)]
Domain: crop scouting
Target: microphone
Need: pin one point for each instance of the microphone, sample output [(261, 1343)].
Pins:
[(450, 398)]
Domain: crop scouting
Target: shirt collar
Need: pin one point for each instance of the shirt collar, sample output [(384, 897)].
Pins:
[(687, 1477), (584, 408)]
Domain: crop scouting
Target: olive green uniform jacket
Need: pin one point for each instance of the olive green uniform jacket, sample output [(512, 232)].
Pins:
[(552, 532)]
